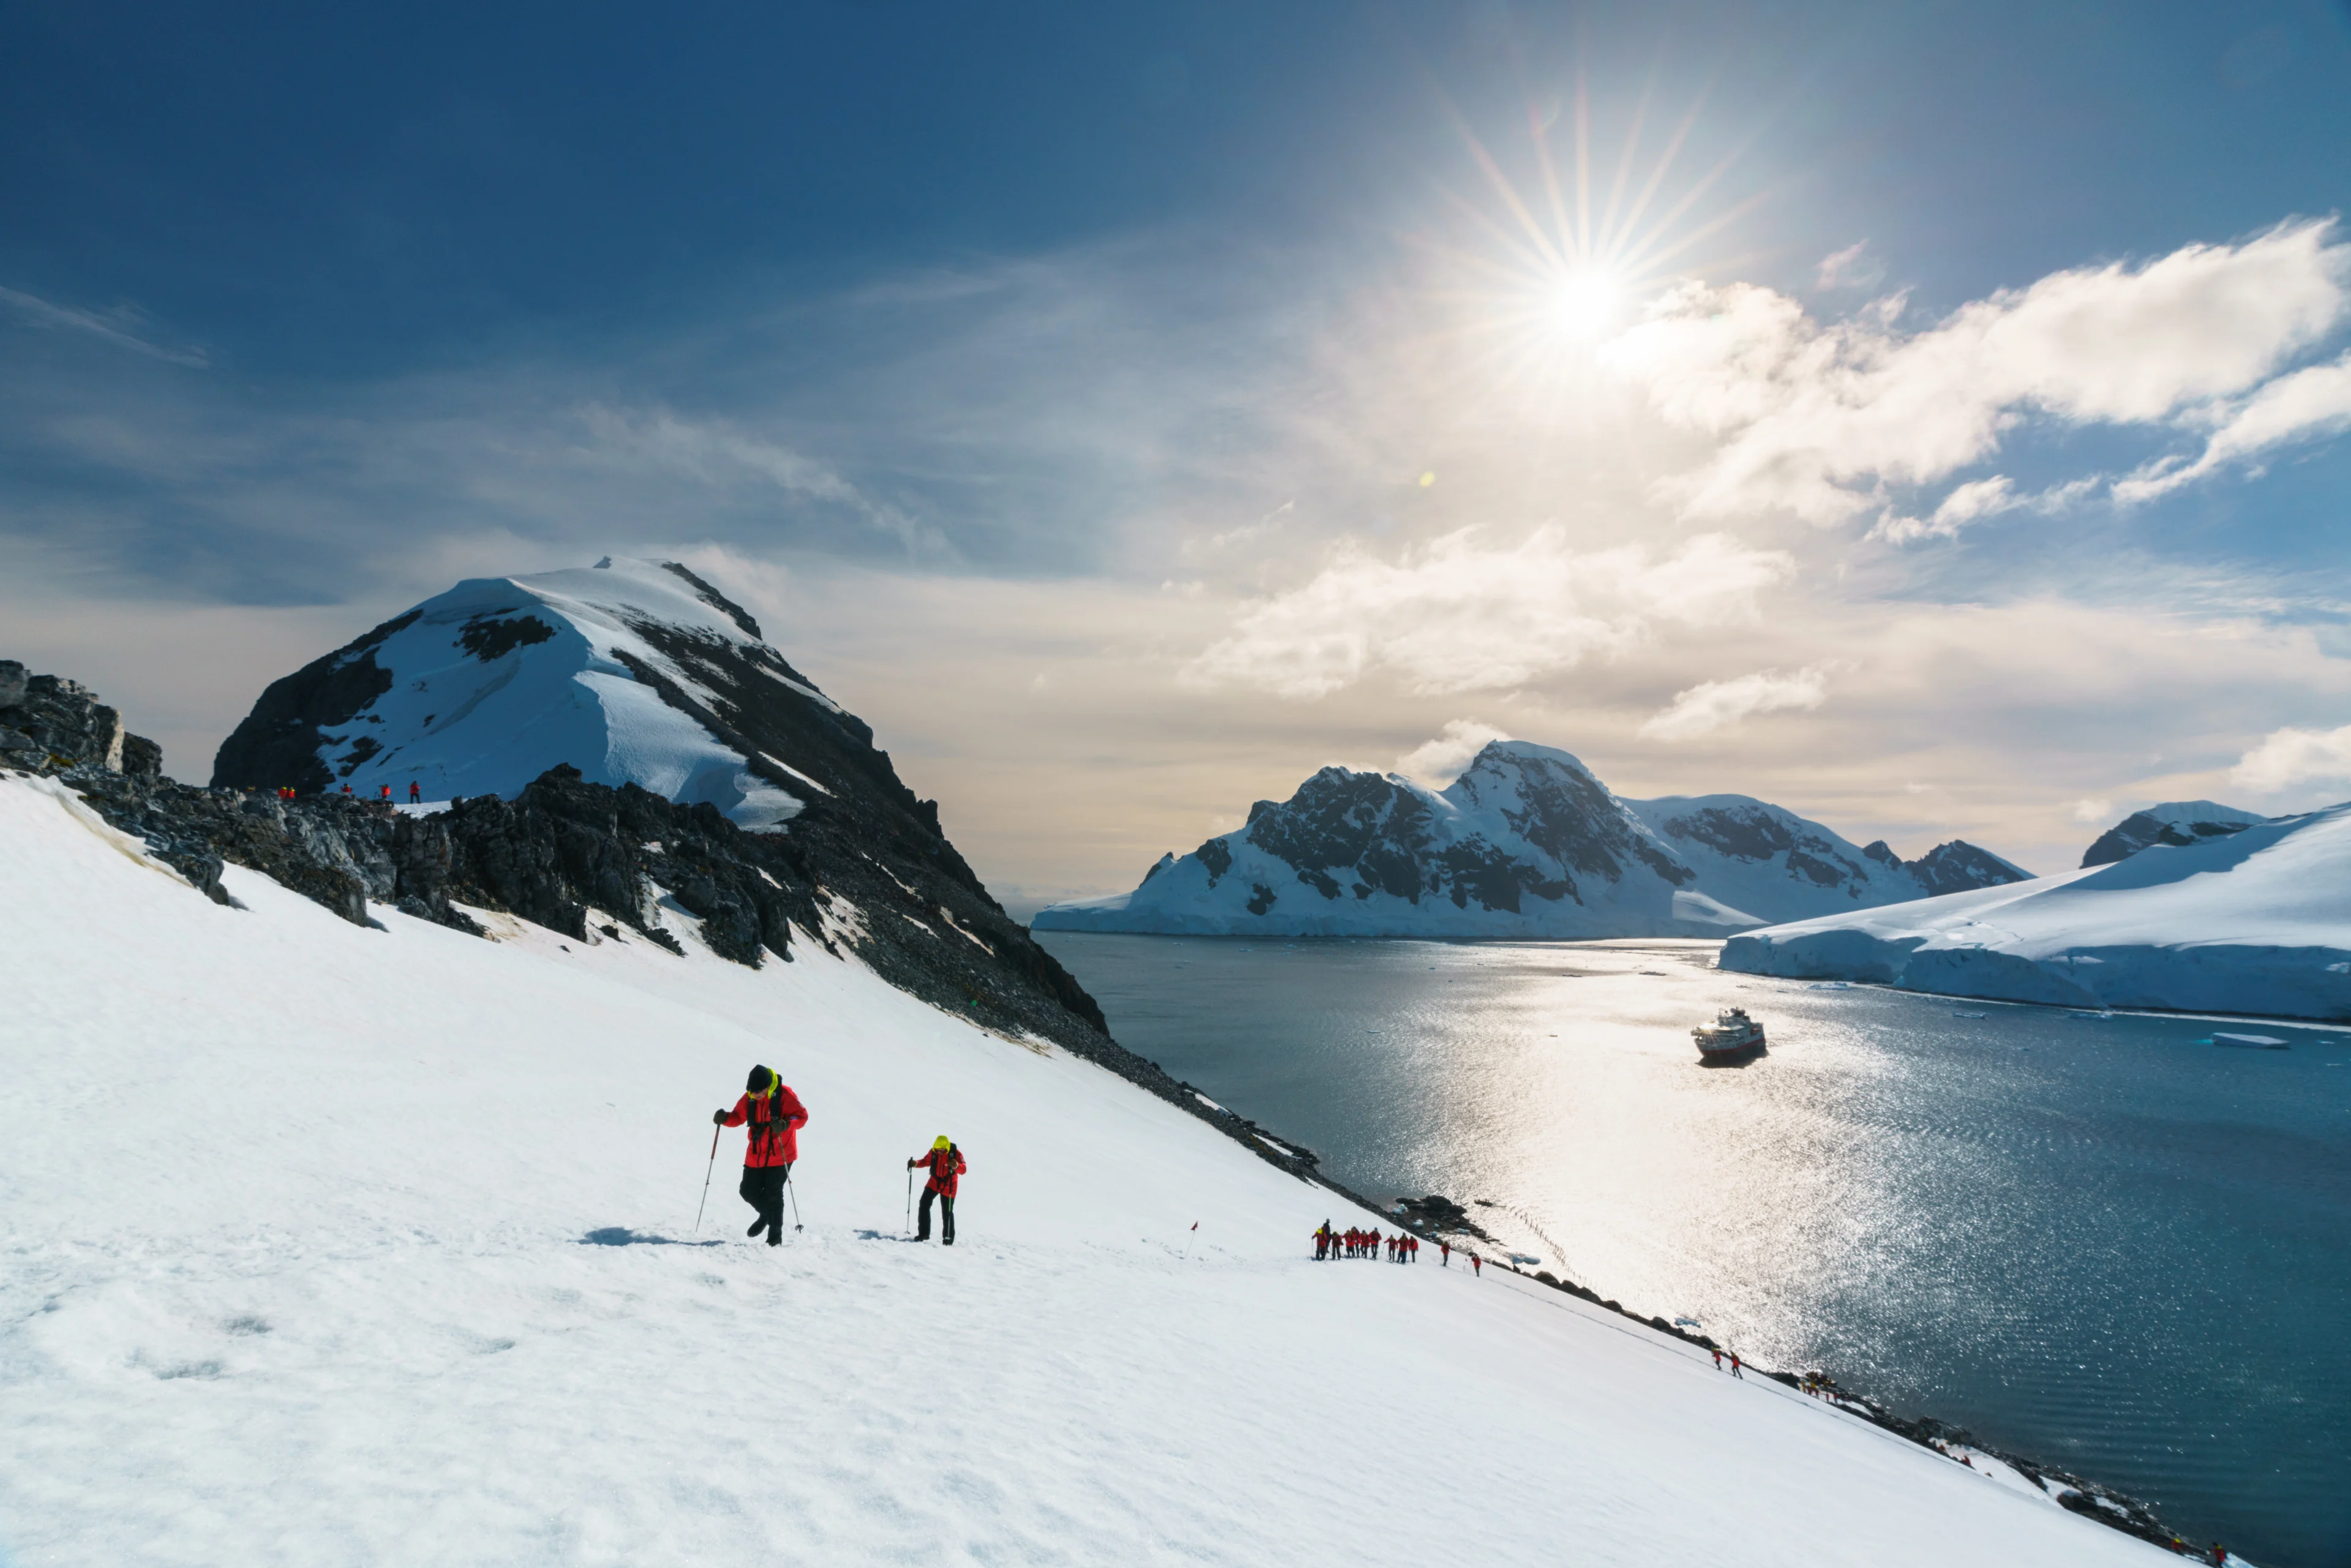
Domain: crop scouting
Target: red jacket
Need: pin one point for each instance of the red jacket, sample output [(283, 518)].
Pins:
[(945, 1165), (775, 1121)]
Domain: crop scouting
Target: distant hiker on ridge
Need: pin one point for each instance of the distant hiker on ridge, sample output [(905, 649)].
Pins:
[(946, 1163), (777, 1116)]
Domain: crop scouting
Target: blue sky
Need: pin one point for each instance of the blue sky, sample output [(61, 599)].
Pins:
[(1061, 382)]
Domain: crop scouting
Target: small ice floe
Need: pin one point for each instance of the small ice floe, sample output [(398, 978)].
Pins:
[(1831, 986), (1687, 1322), (2247, 1041), (1958, 1014), (1525, 1258), (2107, 1014)]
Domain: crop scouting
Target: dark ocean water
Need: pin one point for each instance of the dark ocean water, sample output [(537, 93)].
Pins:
[(2093, 1241)]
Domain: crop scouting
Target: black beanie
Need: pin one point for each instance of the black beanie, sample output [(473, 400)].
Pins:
[(760, 1079)]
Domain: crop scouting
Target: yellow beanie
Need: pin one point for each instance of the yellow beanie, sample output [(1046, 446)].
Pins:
[(941, 1142)]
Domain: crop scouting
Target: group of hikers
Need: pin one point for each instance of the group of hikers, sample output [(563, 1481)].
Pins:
[(1401, 1248), (775, 1116), (415, 793)]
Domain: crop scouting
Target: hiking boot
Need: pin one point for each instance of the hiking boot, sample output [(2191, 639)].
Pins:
[(757, 1227)]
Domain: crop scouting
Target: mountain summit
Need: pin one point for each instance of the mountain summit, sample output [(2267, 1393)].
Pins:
[(630, 671), (1526, 843)]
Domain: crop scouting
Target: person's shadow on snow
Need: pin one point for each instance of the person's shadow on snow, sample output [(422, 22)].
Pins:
[(622, 1236)]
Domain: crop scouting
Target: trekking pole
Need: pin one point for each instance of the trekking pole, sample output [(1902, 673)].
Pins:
[(910, 1197), (796, 1200), (706, 1181)]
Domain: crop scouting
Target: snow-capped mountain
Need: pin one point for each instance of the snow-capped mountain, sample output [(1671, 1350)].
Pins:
[(630, 671), (1526, 843), (2174, 822), (2253, 921), (606, 747)]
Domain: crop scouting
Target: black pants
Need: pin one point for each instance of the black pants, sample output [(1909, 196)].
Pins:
[(763, 1189), (947, 1216)]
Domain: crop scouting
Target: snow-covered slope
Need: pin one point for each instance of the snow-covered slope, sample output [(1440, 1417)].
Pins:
[(327, 1244), (2256, 921), (1526, 843), (629, 671), (2174, 822)]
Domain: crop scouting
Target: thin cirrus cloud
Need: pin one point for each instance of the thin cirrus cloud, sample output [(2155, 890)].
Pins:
[(1853, 268), (1460, 614), (114, 327), (1820, 419), (1711, 706), (720, 455), (2289, 756)]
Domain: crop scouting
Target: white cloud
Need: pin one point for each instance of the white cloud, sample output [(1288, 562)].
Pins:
[(722, 455), (1717, 704), (1438, 762), (1457, 614), (1852, 267), (115, 326), (2289, 756), (2311, 403), (1976, 498), (2092, 809), (1818, 419)]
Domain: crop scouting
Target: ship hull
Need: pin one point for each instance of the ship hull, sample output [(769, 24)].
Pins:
[(1709, 1051)]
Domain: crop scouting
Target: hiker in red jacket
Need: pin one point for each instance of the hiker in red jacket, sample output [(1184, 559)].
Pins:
[(946, 1163), (777, 1116)]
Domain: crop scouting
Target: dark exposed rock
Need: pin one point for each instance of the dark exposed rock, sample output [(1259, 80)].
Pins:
[(1755, 833), (1959, 865), (2144, 829), (716, 599), (142, 757), (50, 716), (277, 746), (1742, 835), (489, 637), (1380, 834)]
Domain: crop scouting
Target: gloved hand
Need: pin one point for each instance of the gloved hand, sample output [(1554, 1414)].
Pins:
[(718, 1118), (912, 1163)]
